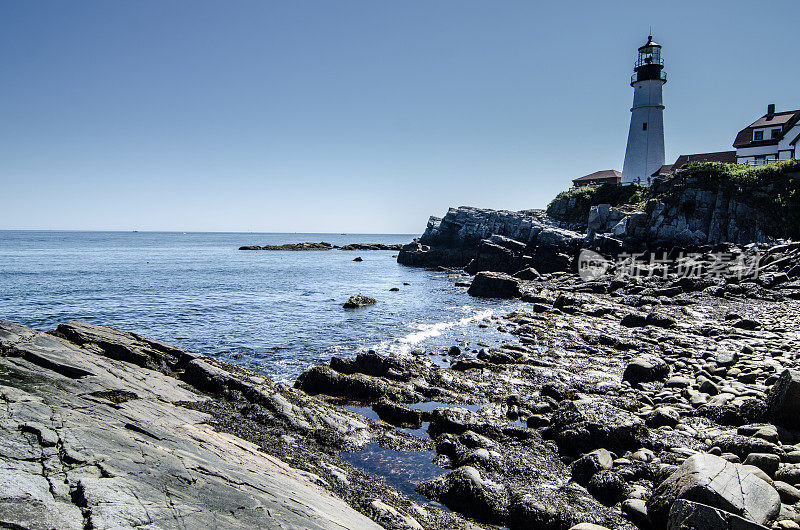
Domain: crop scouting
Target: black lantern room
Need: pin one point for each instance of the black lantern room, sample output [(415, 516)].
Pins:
[(650, 65)]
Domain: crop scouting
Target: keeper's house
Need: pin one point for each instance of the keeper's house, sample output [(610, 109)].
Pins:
[(772, 137), (606, 176)]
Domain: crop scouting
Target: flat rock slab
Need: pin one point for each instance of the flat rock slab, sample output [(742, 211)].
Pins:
[(91, 441)]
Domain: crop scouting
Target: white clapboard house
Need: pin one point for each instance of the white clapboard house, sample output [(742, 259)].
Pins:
[(774, 136)]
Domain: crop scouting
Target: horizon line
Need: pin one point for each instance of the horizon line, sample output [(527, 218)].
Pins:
[(201, 231)]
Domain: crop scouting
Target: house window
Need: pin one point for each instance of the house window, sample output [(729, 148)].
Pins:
[(758, 135), (775, 133), (644, 126)]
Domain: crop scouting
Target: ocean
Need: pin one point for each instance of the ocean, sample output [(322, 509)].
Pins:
[(275, 312)]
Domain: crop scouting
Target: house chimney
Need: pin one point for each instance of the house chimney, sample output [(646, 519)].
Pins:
[(770, 109)]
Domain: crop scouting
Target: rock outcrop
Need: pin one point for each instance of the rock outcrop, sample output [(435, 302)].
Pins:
[(323, 246), (493, 240), (97, 434)]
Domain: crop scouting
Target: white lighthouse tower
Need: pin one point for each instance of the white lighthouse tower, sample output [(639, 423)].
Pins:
[(645, 152)]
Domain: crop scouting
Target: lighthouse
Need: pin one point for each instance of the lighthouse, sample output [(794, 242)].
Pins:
[(645, 152)]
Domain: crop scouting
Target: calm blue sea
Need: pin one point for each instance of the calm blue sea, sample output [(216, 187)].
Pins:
[(274, 312)]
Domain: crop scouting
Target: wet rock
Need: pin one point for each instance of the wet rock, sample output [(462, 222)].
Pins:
[(494, 285), (465, 491), (660, 320), (574, 509), (399, 415), (359, 300), (456, 420), (727, 409), (783, 400), (633, 320), (467, 364), (324, 380), (369, 363), (586, 466), (584, 425), (714, 481), (742, 446), (747, 324), (370, 246), (556, 390), (291, 246), (607, 487), (664, 416), (527, 274), (391, 517), (645, 369)]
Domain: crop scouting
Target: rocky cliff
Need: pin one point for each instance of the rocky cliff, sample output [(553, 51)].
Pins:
[(702, 204), (497, 240)]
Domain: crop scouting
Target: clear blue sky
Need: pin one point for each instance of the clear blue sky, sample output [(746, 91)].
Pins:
[(353, 116)]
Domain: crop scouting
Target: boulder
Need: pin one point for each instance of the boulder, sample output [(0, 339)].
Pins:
[(494, 285), (664, 416), (608, 487), (645, 369), (465, 491), (633, 320), (742, 446), (398, 415), (527, 274), (687, 515), (588, 424), (359, 300), (711, 480), (323, 380), (586, 466), (662, 321), (783, 400)]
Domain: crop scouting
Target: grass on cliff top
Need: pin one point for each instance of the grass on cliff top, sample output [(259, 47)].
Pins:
[(714, 173), (588, 196), (769, 185), (612, 194)]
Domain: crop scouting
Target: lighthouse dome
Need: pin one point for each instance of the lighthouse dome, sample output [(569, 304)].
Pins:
[(650, 43)]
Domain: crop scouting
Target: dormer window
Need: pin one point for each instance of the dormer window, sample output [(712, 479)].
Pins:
[(775, 133), (758, 135)]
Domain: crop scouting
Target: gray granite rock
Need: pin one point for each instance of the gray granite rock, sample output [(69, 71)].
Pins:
[(89, 440), (711, 480), (688, 515)]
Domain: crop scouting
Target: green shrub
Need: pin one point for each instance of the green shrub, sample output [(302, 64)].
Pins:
[(587, 196)]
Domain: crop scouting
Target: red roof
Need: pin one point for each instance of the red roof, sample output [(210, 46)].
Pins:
[(604, 175), (727, 157), (785, 120), (666, 169)]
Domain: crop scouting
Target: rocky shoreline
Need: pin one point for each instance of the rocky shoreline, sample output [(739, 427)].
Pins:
[(647, 380), (618, 405), (644, 403)]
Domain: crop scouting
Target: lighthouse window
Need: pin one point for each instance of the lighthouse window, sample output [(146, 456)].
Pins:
[(758, 135), (644, 126)]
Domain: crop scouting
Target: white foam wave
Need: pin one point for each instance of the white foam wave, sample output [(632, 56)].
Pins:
[(403, 345)]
